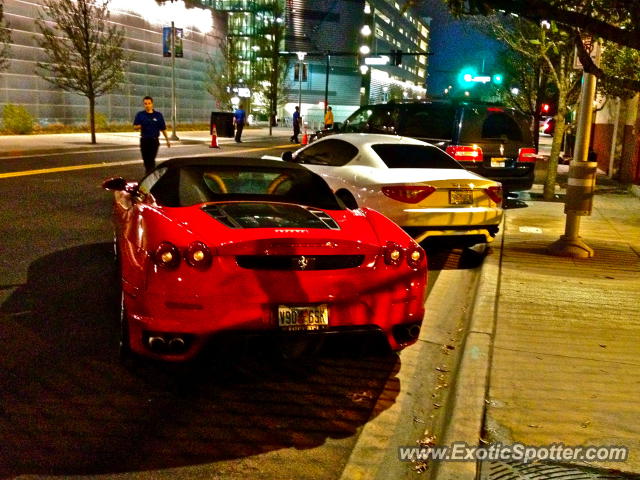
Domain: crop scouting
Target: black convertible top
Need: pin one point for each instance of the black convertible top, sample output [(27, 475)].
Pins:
[(239, 162)]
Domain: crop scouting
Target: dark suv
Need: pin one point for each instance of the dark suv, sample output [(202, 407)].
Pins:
[(491, 140)]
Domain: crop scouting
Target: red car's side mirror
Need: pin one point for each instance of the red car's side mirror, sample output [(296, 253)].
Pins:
[(287, 156), (116, 183)]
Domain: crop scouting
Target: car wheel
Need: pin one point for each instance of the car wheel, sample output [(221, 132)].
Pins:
[(347, 198)]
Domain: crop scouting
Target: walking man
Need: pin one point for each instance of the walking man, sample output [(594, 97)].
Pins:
[(328, 119), (296, 125), (150, 123), (239, 117)]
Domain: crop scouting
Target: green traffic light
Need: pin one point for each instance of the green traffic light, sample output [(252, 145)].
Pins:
[(466, 76), (497, 79)]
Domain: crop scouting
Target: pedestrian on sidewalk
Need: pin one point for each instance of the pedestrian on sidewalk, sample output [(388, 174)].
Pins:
[(150, 123), (297, 120), (239, 119), (328, 119)]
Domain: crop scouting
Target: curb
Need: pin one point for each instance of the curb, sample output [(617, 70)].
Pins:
[(375, 454), (466, 406)]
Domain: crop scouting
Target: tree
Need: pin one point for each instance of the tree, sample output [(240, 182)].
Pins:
[(269, 76), (218, 79), (554, 47), (530, 76), (615, 21), (5, 39), (84, 53)]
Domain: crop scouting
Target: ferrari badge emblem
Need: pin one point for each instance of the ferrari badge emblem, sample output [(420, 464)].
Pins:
[(303, 262)]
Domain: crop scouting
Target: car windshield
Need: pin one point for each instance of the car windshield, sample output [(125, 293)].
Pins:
[(396, 155), (188, 185)]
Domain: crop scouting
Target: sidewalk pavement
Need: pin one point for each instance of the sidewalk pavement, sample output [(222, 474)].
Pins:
[(20, 145), (553, 352)]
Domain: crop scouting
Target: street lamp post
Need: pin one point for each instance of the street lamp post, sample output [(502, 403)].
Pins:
[(174, 107), (301, 56), (326, 83)]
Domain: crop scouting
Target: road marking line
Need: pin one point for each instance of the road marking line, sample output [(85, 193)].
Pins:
[(42, 171)]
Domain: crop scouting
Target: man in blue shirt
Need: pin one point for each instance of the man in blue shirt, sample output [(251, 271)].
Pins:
[(150, 123), (296, 125), (239, 120)]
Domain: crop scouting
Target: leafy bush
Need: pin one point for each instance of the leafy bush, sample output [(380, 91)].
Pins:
[(16, 119), (102, 123)]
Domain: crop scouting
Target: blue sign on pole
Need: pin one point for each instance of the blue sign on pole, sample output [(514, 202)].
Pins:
[(166, 42)]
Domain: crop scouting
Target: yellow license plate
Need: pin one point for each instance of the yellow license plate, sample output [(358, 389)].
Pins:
[(312, 317), (498, 162), (460, 197)]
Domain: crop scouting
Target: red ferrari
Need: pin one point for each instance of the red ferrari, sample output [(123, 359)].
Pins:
[(210, 247)]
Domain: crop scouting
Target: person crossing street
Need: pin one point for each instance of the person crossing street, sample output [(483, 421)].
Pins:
[(150, 123)]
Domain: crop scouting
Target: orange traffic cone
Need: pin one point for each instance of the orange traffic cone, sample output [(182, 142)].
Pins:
[(305, 137), (214, 137)]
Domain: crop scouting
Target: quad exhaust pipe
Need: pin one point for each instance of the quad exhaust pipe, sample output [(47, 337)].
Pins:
[(413, 331), (406, 333), (167, 344)]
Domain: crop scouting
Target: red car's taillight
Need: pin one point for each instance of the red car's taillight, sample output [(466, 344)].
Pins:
[(408, 193), (465, 153), (527, 155), (415, 256), (393, 254), (198, 256), (495, 194), (166, 255)]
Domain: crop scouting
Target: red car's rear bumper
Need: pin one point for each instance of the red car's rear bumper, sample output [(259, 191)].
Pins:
[(390, 303)]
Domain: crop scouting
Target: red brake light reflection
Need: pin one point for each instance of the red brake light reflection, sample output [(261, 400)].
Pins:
[(495, 193), (527, 155), (465, 153), (408, 193)]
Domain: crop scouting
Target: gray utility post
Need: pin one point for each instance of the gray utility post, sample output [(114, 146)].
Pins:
[(582, 175), (174, 107)]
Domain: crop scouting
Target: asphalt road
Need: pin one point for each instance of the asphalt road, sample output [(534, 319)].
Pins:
[(68, 407)]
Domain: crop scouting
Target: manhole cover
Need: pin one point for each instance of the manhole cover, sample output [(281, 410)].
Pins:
[(544, 471)]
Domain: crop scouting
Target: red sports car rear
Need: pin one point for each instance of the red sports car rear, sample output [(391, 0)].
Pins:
[(212, 247)]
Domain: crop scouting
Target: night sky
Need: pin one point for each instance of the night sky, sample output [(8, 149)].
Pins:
[(454, 45)]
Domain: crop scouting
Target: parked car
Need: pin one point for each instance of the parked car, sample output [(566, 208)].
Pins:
[(215, 247), (417, 185), (491, 140), (547, 126)]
